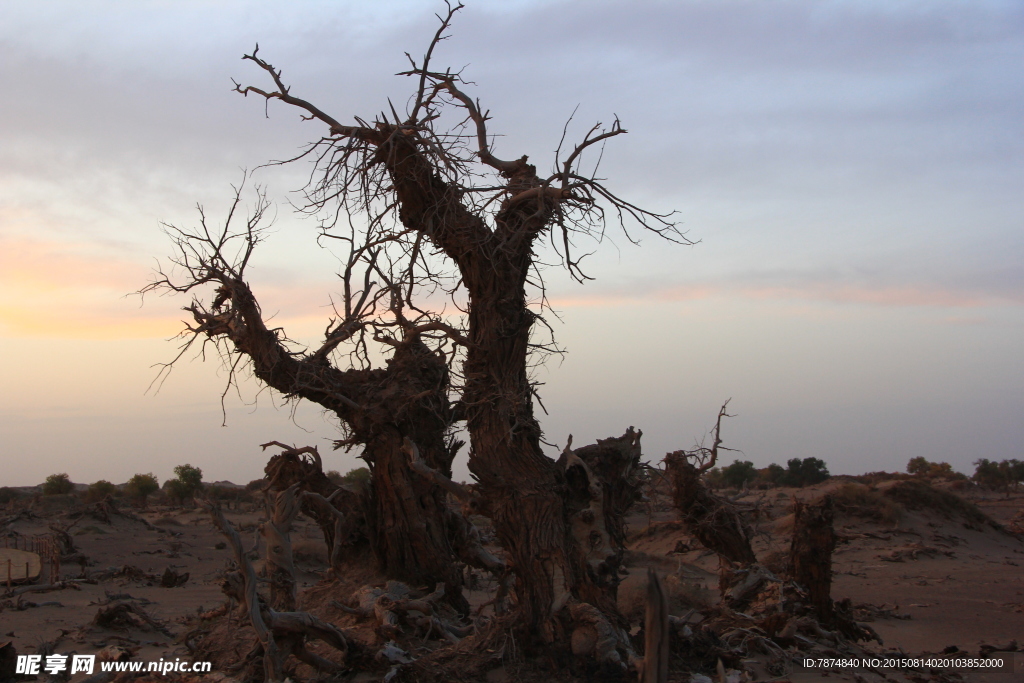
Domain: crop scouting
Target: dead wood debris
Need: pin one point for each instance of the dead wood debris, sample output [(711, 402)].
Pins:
[(44, 588), (279, 634), (123, 616), (913, 552), (867, 612), (715, 521), (393, 605), (172, 579)]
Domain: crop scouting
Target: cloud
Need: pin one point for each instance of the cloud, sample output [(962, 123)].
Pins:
[(894, 296), (82, 290)]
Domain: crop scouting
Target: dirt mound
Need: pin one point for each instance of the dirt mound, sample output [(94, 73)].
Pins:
[(916, 495), (865, 502)]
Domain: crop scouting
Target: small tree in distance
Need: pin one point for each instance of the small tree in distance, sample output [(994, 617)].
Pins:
[(57, 484), (358, 477), (140, 487), (190, 477), (188, 480), (999, 475), (805, 472), (99, 490), (922, 467)]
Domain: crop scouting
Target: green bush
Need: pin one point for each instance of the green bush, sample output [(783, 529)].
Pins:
[(57, 484), (100, 490), (922, 467), (177, 490), (862, 501), (8, 494), (191, 477), (772, 474), (140, 487), (739, 473), (226, 493), (188, 480), (797, 473), (998, 475), (807, 471), (359, 477)]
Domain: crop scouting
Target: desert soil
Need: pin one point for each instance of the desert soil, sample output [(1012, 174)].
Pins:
[(925, 581)]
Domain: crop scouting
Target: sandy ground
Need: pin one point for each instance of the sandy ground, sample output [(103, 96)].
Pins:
[(934, 582)]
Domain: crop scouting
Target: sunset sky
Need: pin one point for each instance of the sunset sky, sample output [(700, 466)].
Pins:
[(853, 173)]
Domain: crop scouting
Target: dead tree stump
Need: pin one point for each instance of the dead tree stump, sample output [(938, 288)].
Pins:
[(712, 520), (810, 554)]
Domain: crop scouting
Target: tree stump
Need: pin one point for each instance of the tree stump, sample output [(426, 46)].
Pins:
[(810, 554)]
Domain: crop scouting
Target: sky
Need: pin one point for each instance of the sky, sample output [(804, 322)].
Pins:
[(852, 174)]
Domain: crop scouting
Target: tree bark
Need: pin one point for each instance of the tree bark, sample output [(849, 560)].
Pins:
[(525, 490), (713, 521), (280, 563), (406, 516), (810, 554)]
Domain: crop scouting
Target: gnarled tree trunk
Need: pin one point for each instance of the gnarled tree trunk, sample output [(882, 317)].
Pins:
[(712, 520), (406, 517), (527, 493)]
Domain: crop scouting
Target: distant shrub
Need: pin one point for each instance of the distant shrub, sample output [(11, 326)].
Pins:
[(57, 484), (255, 485), (177, 491), (772, 474), (739, 473), (140, 487), (191, 477), (226, 493), (8, 494), (865, 502), (797, 473), (188, 480), (998, 475), (99, 490), (335, 477), (922, 467), (358, 477), (713, 478)]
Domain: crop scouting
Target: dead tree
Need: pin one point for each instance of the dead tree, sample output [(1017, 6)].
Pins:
[(603, 483), (378, 407), (616, 464), (712, 520), (433, 176)]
